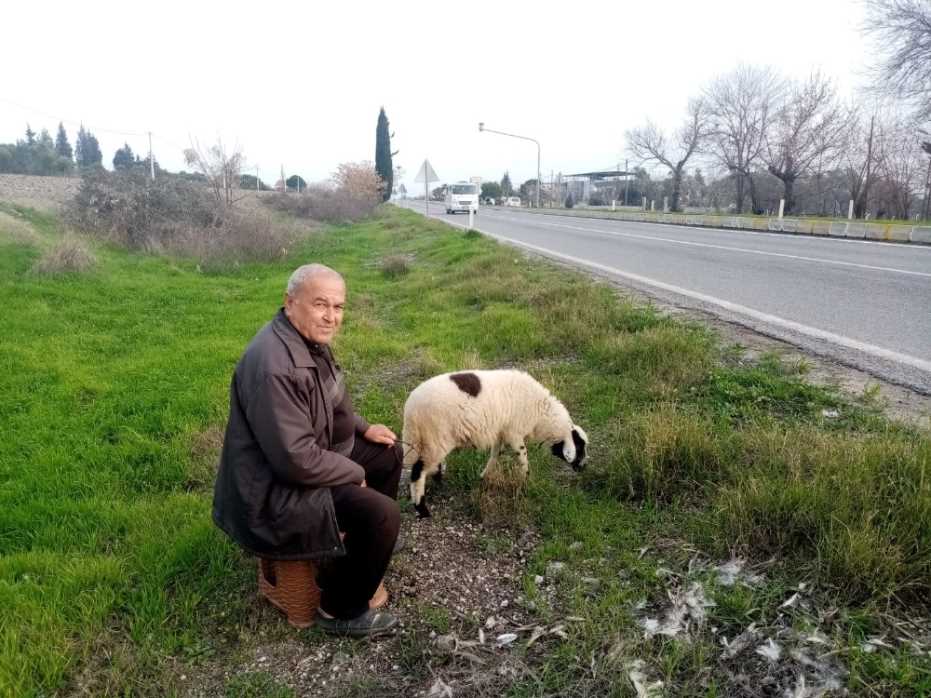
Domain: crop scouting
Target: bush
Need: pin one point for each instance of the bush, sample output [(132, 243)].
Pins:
[(395, 265), (596, 200), (175, 215), (68, 256), (570, 202), (129, 209), (352, 194)]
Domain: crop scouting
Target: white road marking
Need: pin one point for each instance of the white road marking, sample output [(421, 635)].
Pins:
[(737, 231), (822, 260), (814, 332)]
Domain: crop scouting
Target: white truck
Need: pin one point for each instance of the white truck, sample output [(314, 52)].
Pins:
[(462, 196)]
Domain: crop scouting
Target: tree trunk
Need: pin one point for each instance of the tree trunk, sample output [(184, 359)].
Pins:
[(754, 200), (789, 194), (740, 194), (676, 186)]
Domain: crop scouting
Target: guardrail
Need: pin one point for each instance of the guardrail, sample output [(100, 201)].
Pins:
[(859, 230)]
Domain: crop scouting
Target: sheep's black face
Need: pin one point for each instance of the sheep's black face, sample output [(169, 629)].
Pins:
[(576, 455)]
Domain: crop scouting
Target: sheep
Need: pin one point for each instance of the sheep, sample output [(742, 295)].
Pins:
[(485, 410)]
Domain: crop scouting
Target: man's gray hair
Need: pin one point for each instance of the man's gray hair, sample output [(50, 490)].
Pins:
[(305, 273)]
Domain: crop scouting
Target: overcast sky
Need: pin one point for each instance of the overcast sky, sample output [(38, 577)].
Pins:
[(301, 84)]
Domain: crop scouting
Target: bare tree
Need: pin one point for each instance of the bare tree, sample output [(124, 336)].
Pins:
[(901, 30), (901, 168), (806, 134), (220, 168), (860, 159), (740, 107), (649, 144)]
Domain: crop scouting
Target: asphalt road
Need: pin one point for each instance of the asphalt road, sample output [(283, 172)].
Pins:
[(864, 304)]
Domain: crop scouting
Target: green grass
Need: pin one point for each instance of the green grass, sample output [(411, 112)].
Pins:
[(113, 385)]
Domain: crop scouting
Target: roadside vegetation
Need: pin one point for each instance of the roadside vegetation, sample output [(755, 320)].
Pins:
[(731, 511)]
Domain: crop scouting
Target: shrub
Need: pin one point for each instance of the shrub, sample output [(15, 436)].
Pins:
[(131, 210), (570, 202), (395, 265), (175, 215), (70, 255), (353, 193)]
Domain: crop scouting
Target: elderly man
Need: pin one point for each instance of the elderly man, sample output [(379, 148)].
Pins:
[(299, 466)]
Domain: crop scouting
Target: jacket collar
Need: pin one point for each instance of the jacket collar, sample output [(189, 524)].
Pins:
[(293, 341)]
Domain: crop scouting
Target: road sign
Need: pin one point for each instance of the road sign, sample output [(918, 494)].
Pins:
[(426, 174)]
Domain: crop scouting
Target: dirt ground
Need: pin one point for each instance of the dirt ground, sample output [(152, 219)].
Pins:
[(456, 588)]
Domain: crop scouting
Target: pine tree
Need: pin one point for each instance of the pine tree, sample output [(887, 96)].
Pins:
[(383, 154), (62, 146), (45, 140), (30, 136), (123, 158), (87, 150), (507, 189)]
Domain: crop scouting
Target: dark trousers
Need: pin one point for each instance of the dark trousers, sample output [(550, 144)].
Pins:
[(370, 518)]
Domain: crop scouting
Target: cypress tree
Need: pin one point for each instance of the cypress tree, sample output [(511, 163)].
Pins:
[(62, 146), (383, 164)]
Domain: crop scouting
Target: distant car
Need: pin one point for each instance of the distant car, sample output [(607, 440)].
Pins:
[(512, 201), (462, 196), (489, 201)]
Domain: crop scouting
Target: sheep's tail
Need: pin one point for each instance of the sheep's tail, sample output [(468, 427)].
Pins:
[(410, 444)]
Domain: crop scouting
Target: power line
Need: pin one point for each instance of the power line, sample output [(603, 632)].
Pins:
[(73, 122)]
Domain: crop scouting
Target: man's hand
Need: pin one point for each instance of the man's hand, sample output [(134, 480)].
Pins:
[(380, 434)]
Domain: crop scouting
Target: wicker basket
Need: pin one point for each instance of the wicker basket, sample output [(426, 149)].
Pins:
[(291, 586)]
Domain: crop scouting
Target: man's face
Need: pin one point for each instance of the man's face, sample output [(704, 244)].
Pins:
[(316, 310)]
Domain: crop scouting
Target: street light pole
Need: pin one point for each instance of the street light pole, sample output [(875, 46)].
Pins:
[(481, 127)]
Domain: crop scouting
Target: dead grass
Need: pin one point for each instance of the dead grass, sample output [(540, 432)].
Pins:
[(395, 265), (18, 230), (70, 255), (501, 498)]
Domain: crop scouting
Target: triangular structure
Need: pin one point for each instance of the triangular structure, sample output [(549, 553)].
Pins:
[(426, 173)]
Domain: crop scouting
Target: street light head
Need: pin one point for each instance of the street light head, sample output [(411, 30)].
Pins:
[(481, 126)]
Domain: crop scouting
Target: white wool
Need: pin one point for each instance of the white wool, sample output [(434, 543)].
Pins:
[(439, 417), (511, 408)]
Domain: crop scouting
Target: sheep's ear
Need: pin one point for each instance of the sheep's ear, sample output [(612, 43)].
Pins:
[(580, 439), (577, 430)]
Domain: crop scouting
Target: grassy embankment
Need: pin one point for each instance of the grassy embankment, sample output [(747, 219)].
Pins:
[(113, 392)]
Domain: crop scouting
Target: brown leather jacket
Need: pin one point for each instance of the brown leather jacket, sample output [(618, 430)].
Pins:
[(272, 491)]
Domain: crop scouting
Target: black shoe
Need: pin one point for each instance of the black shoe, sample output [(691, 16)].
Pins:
[(371, 623)]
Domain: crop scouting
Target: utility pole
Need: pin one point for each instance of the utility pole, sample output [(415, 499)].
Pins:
[(626, 182), (151, 159), (284, 184), (256, 179)]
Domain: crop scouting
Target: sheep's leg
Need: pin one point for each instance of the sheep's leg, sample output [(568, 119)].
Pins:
[(492, 460), (419, 474), (518, 446)]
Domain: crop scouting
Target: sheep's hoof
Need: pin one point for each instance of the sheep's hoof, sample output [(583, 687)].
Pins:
[(422, 511)]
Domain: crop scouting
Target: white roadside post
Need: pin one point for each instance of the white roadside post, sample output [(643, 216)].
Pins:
[(782, 206), (471, 217), (850, 211)]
